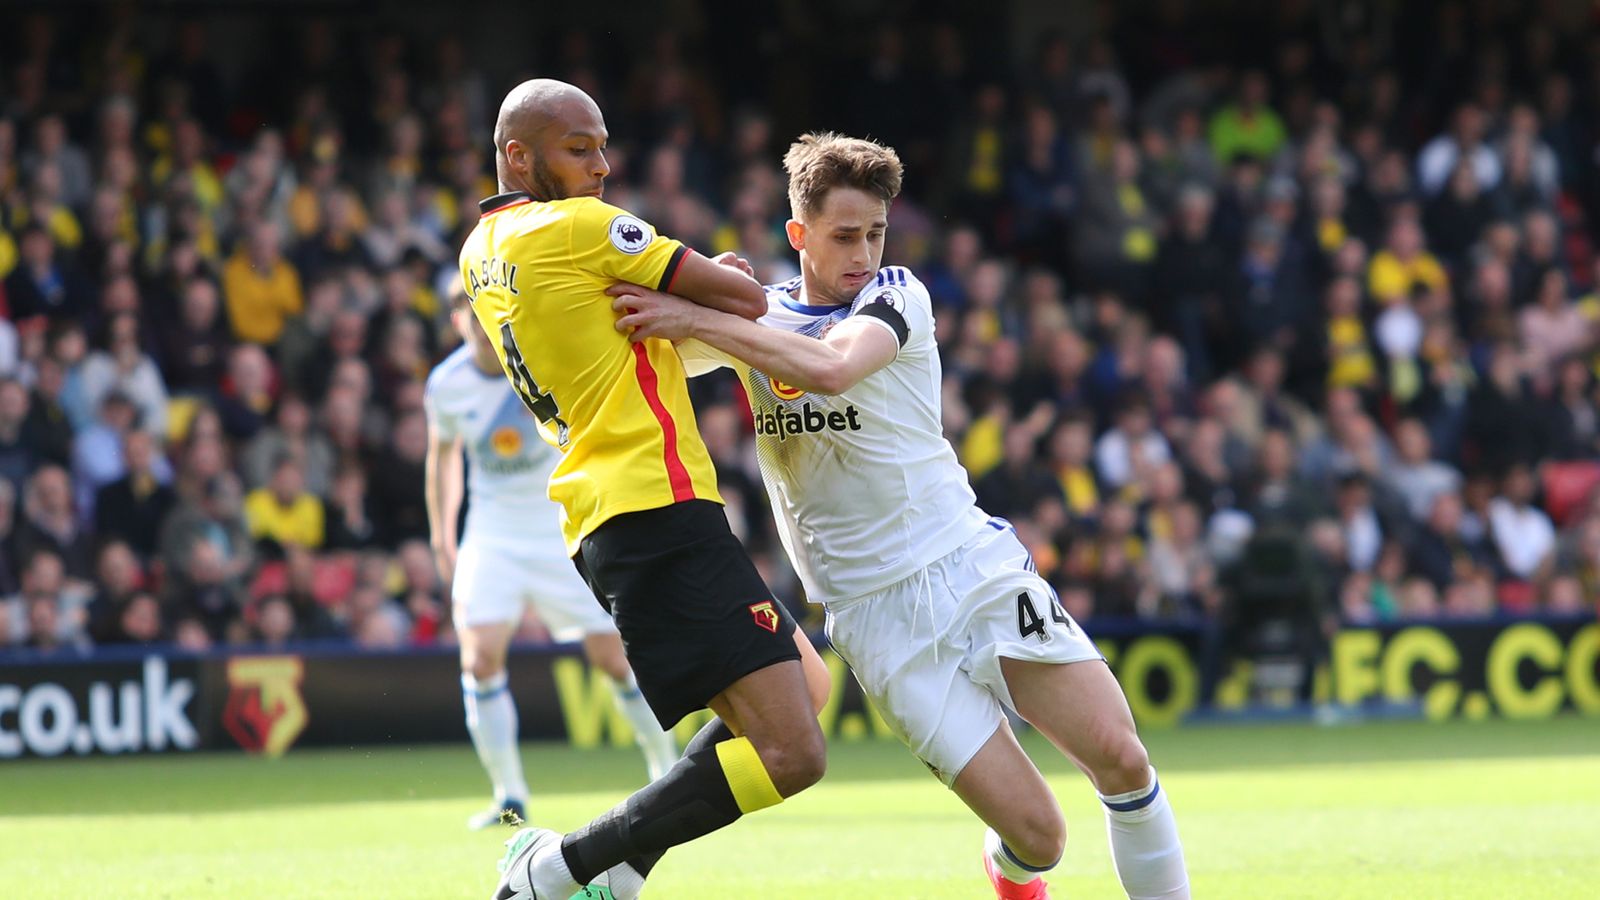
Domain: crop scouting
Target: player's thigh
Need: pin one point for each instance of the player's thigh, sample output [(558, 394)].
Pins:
[(694, 615), (605, 652), (1009, 611), (819, 682), (1005, 789), (485, 606), (918, 684), (1032, 655), (1080, 707), (489, 587)]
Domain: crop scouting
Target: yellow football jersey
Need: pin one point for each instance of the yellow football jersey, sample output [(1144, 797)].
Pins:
[(619, 411)]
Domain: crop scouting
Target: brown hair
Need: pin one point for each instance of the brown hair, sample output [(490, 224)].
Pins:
[(821, 161)]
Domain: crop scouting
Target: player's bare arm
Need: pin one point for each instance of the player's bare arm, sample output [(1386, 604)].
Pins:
[(442, 490), (723, 284), (852, 350)]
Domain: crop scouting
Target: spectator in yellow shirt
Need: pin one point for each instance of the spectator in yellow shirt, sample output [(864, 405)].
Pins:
[(45, 205), (1351, 363), (185, 158), (283, 511), (1071, 455), (1404, 265), (262, 288)]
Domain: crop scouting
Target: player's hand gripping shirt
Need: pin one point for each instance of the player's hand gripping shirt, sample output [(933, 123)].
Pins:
[(865, 488), (508, 464), (619, 412)]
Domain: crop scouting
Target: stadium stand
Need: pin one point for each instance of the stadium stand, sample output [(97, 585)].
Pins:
[(1330, 292)]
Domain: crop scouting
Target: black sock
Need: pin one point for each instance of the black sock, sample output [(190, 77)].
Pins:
[(693, 799), (709, 735)]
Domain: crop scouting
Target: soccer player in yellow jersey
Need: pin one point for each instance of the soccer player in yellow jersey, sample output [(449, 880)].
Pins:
[(640, 511)]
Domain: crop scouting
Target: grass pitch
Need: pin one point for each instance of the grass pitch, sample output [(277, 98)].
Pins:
[(1384, 810)]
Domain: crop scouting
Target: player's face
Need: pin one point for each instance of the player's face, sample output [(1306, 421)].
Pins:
[(842, 245), (568, 158)]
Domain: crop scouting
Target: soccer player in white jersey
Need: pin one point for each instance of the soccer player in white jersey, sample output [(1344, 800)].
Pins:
[(511, 554), (935, 605)]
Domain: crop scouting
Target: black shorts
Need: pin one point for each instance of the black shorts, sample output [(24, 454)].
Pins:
[(694, 614)]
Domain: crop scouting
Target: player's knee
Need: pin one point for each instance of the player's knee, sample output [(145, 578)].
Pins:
[(1126, 767), (606, 654), (482, 666), (615, 665), (796, 764), (1042, 838)]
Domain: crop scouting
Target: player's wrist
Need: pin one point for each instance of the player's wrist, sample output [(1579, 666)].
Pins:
[(700, 320)]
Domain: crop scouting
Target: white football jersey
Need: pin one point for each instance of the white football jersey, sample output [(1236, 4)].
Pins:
[(865, 489), (508, 463)]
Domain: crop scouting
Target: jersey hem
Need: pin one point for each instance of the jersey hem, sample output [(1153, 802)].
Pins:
[(954, 541), (607, 513)]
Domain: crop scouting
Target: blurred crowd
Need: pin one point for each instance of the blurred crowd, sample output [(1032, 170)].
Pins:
[(1299, 293)]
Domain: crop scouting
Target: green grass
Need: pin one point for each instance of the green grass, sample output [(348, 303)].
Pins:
[(1384, 810)]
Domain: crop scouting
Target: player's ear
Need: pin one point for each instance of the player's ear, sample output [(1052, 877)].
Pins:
[(517, 155), (796, 232)]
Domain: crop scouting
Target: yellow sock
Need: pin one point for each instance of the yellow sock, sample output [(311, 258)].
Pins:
[(747, 776)]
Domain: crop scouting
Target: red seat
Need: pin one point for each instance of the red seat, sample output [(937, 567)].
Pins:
[(333, 579), (1567, 488), (271, 578), (1517, 597)]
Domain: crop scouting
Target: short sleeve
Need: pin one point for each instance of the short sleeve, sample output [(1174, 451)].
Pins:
[(441, 424), (900, 303), (700, 357), (617, 245)]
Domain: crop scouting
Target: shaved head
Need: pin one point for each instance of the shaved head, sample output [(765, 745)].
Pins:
[(536, 118), (533, 106)]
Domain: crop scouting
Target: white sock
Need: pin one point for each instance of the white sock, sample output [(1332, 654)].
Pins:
[(1014, 870), (492, 722), (626, 883), (1144, 843), (659, 750), (550, 875)]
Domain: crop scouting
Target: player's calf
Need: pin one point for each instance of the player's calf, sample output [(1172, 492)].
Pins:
[(1081, 709), (710, 787)]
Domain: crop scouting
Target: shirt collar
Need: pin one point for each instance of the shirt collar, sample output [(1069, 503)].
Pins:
[(501, 201)]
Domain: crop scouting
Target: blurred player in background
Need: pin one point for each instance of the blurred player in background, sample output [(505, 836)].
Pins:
[(641, 514), (511, 555), (936, 606)]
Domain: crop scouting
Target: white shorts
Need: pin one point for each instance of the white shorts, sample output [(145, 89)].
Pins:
[(927, 650), (495, 579)]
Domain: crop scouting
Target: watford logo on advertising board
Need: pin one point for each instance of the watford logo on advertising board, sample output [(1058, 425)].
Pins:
[(265, 712)]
